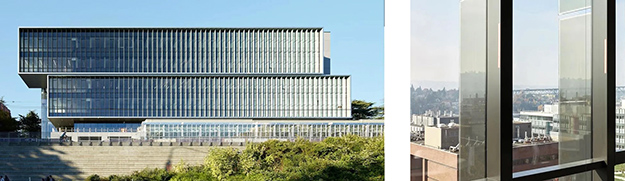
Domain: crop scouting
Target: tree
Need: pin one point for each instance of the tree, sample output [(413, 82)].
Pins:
[(30, 123), (364, 110), (380, 112), (7, 123)]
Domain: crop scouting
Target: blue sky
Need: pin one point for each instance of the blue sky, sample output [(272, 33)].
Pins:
[(356, 26), (435, 31)]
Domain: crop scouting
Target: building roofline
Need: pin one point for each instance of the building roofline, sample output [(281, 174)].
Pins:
[(139, 74), (167, 28), (234, 121)]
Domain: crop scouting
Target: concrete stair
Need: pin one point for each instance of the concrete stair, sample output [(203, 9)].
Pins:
[(76, 162)]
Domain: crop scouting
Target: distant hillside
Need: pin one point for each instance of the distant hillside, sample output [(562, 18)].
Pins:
[(435, 85), (444, 99), (424, 99)]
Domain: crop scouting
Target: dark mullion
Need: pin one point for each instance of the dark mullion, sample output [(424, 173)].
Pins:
[(611, 88), (619, 157), (506, 75)]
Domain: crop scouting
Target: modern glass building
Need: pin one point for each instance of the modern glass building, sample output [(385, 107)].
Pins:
[(255, 131), (103, 77)]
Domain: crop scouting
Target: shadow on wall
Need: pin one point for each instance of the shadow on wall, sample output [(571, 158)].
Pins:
[(32, 162), (326, 65)]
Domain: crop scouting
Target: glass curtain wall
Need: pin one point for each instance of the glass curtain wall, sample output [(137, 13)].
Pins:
[(162, 50), (560, 48), (206, 97), (536, 31), (575, 83), (479, 92), (258, 131)]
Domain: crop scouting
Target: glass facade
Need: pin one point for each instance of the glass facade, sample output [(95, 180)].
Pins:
[(200, 97), (215, 131), (172, 50), (575, 84), (91, 75), (106, 127)]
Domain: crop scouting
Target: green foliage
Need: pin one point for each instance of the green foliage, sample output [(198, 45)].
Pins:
[(193, 175), (222, 163), (118, 178), (364, 110), (8, 123), (337, 158), (150, 174), (181, 167), (94, 177), (30, 123)]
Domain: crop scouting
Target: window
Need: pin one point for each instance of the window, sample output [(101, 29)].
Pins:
[(560, 46)]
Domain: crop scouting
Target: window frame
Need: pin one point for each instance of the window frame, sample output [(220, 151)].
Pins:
[(605, 156)]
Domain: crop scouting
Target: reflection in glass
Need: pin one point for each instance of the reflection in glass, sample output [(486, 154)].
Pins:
[(473, 60), (575, 89)]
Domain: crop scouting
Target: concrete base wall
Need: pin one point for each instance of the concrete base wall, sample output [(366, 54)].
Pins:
[(21, 162)]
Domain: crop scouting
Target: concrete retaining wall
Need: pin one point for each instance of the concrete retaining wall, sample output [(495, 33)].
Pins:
[(77, 161)]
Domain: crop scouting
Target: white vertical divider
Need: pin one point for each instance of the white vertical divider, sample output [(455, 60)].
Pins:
[(232, 98), (271, 94), (216, 92), (302, 50), (265, 96), (317, 97), (302, 96), (186, 62), (204, 106), (237, 104), (321, 97), (243, 52), (165, 54), (226, 94), (196, 63), (298, 51), (157, 35), (211, 97), (256, 97), (230, 63), (218, 54), (313, 97), (258, 100), (287, 51), (220, 97), (250, 98), (207, 51), (174, 51), (262, 64), (310, 52), (310, 105)]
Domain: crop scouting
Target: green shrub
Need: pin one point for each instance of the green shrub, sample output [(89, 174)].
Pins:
[(338, 158), (192, 176), (222, 162), (95, 177), (151, 174)]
